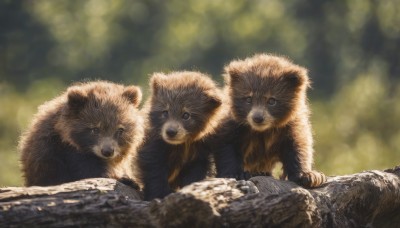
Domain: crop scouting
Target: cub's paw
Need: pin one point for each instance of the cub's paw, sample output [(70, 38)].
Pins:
[(242, 176), (311, 179), (129, 182), (247, 187)]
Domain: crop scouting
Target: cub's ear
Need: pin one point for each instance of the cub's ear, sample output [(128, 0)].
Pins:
[(156, 82), (297, 78), (133, 94), (232, 73), (213, 99), (76, 98)]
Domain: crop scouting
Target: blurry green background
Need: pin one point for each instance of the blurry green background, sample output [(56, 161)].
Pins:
[(351, 48)]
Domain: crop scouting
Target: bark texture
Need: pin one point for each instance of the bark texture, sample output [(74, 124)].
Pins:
[(367, 199)]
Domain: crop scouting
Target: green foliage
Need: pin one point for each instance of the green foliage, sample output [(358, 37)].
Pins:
[(16, 113), (351, 48), (358, 129)]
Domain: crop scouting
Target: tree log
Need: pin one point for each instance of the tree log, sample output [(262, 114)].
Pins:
[(367, 199)]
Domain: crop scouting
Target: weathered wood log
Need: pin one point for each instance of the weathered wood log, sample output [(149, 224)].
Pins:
[(370, 198)]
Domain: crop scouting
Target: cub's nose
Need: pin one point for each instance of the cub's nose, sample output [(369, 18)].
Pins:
[(171, 132), (258, 118), (107, 151)]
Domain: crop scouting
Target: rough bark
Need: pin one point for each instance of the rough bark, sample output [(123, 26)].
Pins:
[(370, 198)]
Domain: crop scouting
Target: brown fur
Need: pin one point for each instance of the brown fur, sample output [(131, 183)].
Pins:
[(69, 133), (272, 90)]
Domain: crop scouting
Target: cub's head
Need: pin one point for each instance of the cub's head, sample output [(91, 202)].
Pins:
[(102, 118), (265, 90), (183, 106)]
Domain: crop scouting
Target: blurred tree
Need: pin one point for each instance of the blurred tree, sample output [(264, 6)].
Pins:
[(125, 41), (24, 43)]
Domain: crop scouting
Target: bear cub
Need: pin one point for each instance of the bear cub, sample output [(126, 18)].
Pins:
[(182, 112), (270, 121), (91, 130)]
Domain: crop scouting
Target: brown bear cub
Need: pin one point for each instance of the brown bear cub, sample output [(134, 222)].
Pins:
[(182, 112), (270, 121), (91, 130)]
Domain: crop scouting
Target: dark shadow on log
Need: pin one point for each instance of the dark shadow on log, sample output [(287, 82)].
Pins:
[(369, 199)]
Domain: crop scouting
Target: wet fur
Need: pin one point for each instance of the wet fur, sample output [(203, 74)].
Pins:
[(165, 166), (248, 149), (58, 146)]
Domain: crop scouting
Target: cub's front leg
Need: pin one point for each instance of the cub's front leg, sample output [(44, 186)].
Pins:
[(228, 162), (153, 171), (194, 171), (297, 165)]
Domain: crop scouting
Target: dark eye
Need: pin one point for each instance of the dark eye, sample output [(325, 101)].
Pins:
[(248, 100), (271, 101), (120, 131), (164, 114), (95, 131), (186, 116)]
